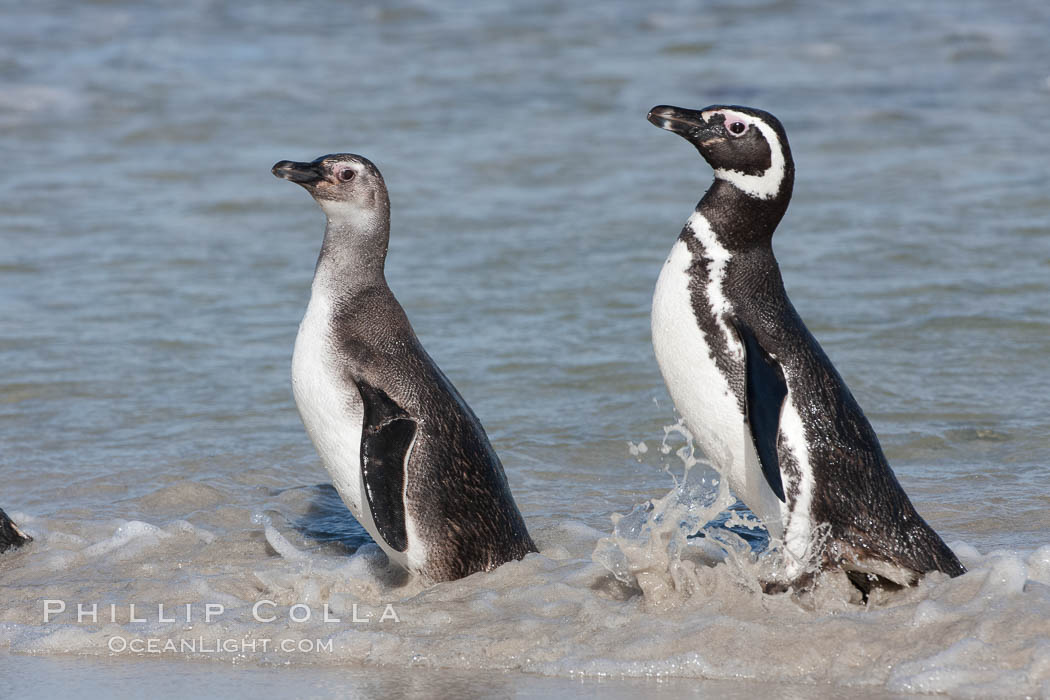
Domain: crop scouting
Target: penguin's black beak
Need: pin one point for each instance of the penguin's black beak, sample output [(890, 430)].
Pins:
[(687, 123), (303, 173)]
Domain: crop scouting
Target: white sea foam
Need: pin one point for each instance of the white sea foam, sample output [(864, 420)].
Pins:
[(280, 545), (131, 538), (643, 600)]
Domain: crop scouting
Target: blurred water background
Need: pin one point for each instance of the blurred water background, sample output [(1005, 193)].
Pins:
[(153, 274)]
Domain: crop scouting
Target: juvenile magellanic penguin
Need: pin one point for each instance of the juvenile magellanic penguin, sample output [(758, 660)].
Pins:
[(755, 388), (406, 453), (10, 534)]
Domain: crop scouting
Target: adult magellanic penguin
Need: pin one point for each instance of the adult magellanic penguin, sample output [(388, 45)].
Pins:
[(755, 388), (406, 453)]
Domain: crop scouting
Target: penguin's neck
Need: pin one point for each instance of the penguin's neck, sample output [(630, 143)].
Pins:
[(741, 221), (733, 232), (353, 254)]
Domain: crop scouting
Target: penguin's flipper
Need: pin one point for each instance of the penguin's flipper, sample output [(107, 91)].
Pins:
[(387, 437), (766, 390)]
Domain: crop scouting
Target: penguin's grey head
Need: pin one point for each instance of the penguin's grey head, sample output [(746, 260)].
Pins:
[(746, 147), (348, 187)]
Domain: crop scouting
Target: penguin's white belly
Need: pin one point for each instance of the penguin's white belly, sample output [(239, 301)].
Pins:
[(333, 413), (702, 393)]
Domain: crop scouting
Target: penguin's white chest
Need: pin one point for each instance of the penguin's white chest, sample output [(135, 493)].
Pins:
[(700, 390), (330, 406), (333, 413)]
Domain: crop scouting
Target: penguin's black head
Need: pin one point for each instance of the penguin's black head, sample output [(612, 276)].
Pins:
[(746, 147), (344, 184)]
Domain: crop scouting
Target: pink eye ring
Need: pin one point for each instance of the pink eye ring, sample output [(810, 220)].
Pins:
[(736, 128)]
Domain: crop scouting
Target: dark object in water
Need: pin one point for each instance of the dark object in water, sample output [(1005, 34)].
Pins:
[(10, 535)]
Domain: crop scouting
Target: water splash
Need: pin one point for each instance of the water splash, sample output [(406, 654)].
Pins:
[(279, 542), (663, 546)]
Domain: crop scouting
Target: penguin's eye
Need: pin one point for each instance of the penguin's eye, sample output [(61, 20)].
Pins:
[(346, 175), (736, 128)]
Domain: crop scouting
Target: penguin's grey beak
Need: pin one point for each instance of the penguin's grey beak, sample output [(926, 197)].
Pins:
[(303, 173), (687, 123)]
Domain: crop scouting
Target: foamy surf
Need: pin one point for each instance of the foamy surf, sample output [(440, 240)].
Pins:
[(650, 599)]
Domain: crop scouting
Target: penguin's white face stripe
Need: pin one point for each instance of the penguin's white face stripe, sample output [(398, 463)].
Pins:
[(719, 256), (766, 185)]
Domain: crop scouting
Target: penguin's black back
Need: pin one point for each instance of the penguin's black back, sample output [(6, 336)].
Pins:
[(857, 493), (463, 503)]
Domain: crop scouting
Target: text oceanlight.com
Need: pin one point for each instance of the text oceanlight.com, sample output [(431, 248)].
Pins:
[(200, 645)]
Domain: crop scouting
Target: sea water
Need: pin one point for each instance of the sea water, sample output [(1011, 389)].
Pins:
[(153, 273)]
